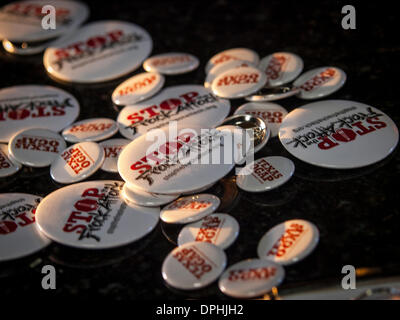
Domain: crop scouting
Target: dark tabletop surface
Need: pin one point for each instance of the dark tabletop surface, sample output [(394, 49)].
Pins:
[(356, 211)]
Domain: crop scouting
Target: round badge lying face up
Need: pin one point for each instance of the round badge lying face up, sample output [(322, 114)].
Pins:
[(8, 165), (187, 104), (193, 265), (32, 106), (112, 148), (21, 21), (220, 68), (146, 199), (171, 63), (178, 160), (233, 54), (289, 242), (99, 51), (251, 278), (93, 215), (95, 129), (265, 174), (281, 68), (77, 162), (18, 231), (190, 208), (271, 113), (219, 229), (313, 84), (36, 147), (138, 88), (238, 82), (338, 134)]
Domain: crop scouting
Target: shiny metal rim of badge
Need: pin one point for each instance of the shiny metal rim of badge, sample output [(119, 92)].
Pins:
[(238, 82), (272, 114), (251, 278), (36, 147), (122, 48), (95, 129), (219, 68), (313, 84), (93, 215), (186, 104), (210, 263), (171, 63), (112, 149), (281, 68), (359, 135), (146, 199), (19, 234), (265, 174), (31, 48), (77, 162), (138, 88), (233, 54), (289, 242), (53, 109), (8, 165), (182, 171), (250, 122), (220, 229), (19, 21), (190, 208)]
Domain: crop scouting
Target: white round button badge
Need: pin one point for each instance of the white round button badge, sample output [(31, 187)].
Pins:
[(320, 82), (281, 68), (93, 215), (289, 242), (8, 165), (112, 149), (146, 199), (190, 208), (19, 234), (171, 63), (251, 278), (32, 106), (172, 161), (138, 88), (95, 129), (186, 104), (219, 229), (21, 21), (77, 162), (265, 174), (272, 114), (36, 147), (99, 51), (233, 54), (238, 82), (219, 68), (339, 134), (193, 266)]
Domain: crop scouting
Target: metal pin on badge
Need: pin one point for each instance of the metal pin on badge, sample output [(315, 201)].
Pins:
[(249, 122), (313, 84), (272, 114)]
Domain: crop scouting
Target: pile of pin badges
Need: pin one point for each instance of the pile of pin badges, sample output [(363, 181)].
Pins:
[(39, 121)]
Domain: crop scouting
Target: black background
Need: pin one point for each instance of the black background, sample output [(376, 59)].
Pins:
[(356, 211)]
